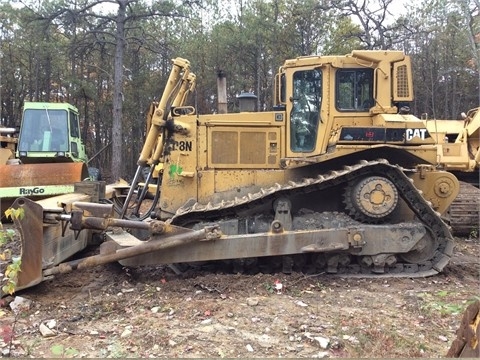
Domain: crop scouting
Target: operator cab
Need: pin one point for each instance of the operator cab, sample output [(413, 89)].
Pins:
[(50, 131), (321, 95)]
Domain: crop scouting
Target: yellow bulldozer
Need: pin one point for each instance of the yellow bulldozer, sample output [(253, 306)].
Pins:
[(337, 176)]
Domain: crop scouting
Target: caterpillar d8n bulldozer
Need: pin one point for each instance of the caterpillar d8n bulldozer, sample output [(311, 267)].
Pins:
[(45, 157), (337, 176)]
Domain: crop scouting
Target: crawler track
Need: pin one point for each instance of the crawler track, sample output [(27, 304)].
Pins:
[(440, 235), (464, 213)]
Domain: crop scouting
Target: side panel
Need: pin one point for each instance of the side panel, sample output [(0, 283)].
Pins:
[(218, 185), (206, 185), (231, 155), (180, 177), (243, 147)]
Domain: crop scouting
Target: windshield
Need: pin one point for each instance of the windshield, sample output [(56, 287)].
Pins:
[(44, 130)]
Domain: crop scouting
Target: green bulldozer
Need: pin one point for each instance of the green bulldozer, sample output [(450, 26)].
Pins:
[(45, 156)]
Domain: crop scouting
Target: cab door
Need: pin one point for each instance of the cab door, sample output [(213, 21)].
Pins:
[(303, 112)]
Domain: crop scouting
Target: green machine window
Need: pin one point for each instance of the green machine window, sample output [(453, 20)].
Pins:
[(354, 90), (44, 130), (74, 130), (304, 117)]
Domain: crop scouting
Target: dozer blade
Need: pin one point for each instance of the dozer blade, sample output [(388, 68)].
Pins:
[(46, 241), (31, 236)]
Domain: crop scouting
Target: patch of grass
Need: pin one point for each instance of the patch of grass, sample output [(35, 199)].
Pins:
[(269, 287), (6, 235), (62, 351), (438, 304), (115, 350), (474, 233), (10, 274)]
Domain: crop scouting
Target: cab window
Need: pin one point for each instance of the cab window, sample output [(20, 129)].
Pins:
[(74, 131), (304, 117), (44, 130), (354, 90)]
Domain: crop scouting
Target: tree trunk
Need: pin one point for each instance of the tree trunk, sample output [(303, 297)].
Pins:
[(117, 134)]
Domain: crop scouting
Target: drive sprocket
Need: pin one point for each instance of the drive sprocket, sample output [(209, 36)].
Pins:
[(371, 199)]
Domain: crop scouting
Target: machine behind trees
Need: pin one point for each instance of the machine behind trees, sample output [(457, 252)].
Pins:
[(338, 176), (45, 157)]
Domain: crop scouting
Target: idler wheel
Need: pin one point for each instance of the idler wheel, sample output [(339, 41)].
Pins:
[(424, 250)]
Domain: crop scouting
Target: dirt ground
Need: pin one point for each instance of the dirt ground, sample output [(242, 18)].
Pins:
[(111, 312)]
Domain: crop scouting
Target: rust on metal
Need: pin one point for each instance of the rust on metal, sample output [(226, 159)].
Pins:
[(42, 174), (94, 209), (144, 247), (467, 342), (378, 239), (31, 233), (79, 222)]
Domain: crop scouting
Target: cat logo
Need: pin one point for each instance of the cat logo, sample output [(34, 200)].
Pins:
[(410, 134)]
